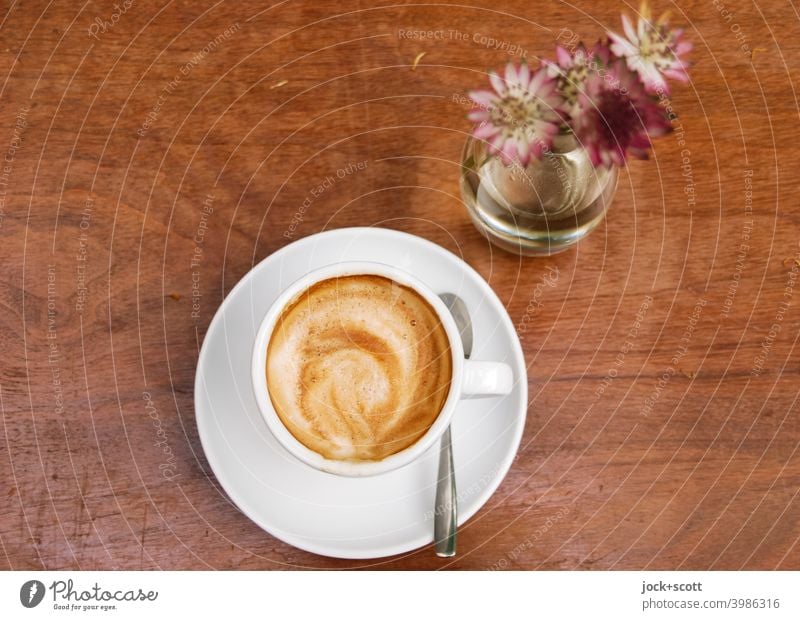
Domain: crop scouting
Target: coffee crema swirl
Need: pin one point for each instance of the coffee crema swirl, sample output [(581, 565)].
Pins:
[(358, 367)]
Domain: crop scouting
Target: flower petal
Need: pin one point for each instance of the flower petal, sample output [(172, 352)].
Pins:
[(482, 97), (536, 81), (654, 81), (644, 11), (642, 26), (509, 151), (621, 46), (524, 150), (563, 57), (677, 74), (497, 143), (630, 32), (524, 74), (478, 116), (497, 83), (553, 70), (485, 131), (511, 74)]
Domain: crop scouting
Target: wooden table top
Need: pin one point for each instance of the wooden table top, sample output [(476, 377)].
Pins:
[(120, 127)]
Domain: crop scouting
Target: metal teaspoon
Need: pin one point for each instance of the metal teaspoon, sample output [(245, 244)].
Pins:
[(445, 514)]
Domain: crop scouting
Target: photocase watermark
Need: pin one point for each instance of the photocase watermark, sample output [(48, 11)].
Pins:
[(547, 280), (67, 597), (81, 290), (318, 190), (783, 305), (450, 34), (415, 34), (568, 39), (744, 244), (31, 593), (679, 132), (728, 16), (688, 178), (529, 542), (196, 259), (680, 352), (184, 71), (53, 351), (627, 345), (168, 467), (7, 167), (464, 494), (100, 26), (489, 42)]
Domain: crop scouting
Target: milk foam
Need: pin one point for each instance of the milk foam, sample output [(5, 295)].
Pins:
[(358, 367)]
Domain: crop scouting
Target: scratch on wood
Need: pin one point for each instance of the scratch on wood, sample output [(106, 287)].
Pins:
[(141, 538)]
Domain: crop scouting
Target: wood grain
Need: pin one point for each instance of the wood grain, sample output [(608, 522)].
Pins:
[(117, 140)]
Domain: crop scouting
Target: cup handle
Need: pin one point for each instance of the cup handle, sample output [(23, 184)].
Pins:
[(481, 379)]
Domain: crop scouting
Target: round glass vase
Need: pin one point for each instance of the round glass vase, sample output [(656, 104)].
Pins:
[(539, 210)]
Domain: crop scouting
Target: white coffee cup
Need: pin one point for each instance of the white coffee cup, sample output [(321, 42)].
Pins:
[(470, 378)]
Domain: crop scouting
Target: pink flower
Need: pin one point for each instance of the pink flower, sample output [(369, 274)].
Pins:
[(616, 116), (652, 50), (571, 70), (520, 116)]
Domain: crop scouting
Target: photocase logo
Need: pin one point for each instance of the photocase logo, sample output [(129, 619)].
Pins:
[(31, 593)]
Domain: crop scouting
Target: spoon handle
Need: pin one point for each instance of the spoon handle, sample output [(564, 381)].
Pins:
[(446, 513)]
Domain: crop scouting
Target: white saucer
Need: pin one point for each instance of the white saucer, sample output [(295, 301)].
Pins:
[(352, 517)]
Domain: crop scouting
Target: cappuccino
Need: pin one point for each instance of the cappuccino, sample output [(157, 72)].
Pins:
[(358, 367)]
